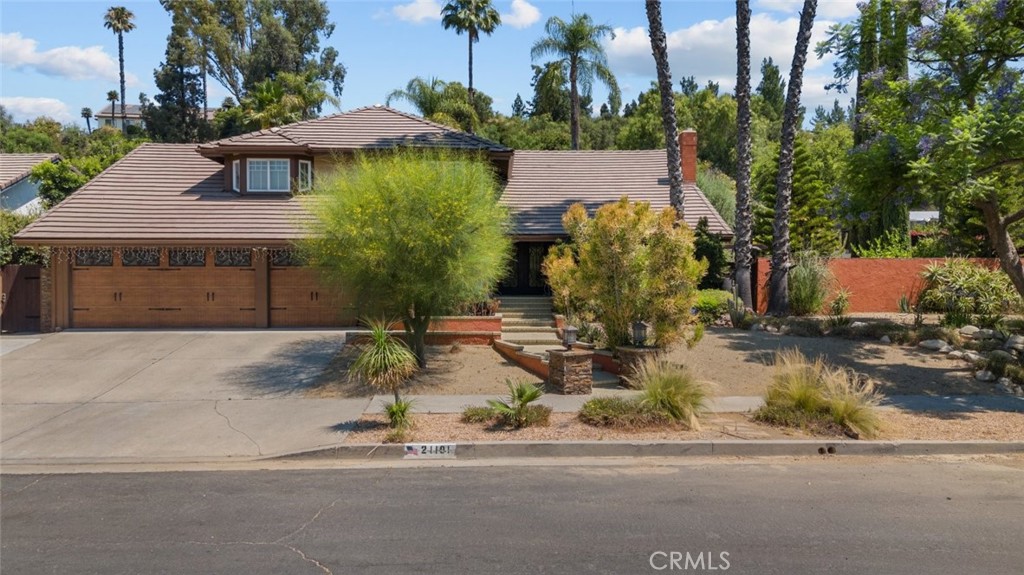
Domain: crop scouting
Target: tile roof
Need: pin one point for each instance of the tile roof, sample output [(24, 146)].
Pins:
[(133, 110), (166, 193), (545, 183), (373, 127), (16, 167)]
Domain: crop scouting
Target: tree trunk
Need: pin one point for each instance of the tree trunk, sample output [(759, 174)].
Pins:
[(416, 328), (659, 46), (1003, 243), (778, 292), (574, 104), (470, 89), (743, 245), (120, 58)]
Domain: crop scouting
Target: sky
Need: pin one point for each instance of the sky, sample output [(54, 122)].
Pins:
[(56, 57)]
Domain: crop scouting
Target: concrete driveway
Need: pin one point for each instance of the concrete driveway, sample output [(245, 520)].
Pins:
[(166, 395)]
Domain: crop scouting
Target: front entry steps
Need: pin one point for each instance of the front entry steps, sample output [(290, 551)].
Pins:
[(528, 321)]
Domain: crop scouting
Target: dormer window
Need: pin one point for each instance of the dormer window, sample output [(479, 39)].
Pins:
[(305, 175), (272, 175)]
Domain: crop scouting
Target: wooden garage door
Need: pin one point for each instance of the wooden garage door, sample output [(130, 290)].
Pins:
[(298, 299), (163, 288)]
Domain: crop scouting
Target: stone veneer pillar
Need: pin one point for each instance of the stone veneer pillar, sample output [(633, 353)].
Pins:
[(46, 297), (630, 358), (571, 372)]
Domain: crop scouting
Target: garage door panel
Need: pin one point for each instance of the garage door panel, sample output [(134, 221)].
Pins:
[(298, 298)]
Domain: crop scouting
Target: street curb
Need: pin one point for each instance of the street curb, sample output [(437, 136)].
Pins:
[(728, 448)]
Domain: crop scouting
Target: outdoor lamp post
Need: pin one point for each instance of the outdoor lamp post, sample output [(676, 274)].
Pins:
[(569, 336), (640, 333)]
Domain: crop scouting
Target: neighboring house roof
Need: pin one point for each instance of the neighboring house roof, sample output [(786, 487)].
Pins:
[(131, 111), (16, 167), (374, 127), (545, 183), (166, 193)]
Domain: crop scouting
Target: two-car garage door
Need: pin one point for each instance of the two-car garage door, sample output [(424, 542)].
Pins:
[(156, 288)]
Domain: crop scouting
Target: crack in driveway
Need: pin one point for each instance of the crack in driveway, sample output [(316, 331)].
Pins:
[(259, 450)]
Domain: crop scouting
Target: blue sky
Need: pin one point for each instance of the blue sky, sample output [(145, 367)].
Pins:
[(56, 57)]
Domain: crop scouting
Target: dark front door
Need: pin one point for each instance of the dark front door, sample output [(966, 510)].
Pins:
[(525, 275)]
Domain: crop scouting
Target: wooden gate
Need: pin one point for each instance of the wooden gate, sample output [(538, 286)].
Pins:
[(19, 309)]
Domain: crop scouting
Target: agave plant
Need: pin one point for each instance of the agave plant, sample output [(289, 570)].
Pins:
[(385, 362)]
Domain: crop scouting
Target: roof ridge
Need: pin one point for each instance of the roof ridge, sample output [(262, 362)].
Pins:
[(457, 133)]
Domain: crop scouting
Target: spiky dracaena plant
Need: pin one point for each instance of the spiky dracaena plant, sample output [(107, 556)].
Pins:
[(384, 362)]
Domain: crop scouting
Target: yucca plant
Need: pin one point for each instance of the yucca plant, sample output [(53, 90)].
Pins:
[(671, 389), (385, 362), (517, 411)]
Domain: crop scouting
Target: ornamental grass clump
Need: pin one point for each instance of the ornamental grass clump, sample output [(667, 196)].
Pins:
[(810, 282), (819, 398), (671, 389)]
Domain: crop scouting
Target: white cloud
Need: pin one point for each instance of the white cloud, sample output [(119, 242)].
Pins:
[(707, 51), (70, 62), (830, 9), (418, 11), (523, 15), (24, 109)]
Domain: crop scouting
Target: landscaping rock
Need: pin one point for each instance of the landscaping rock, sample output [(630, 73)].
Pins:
[(988, 334), (1015, 342), (955, 354), (885, 339), (932, 344), (858, 324), (946, 349), (1007, 386), (972, 356), (757, 327), (985, 375), (968, 330)]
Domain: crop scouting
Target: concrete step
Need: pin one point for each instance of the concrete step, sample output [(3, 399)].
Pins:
[(605, 379), (526, 315), (528, 329), (530, 340), (526, 309), (524, 298), (535, 322)]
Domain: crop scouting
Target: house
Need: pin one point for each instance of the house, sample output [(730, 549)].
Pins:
[(112, 118), (178, 235), (18, 193)]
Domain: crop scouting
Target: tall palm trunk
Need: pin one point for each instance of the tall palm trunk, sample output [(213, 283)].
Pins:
[(574, 104), (778, 292), (120, 58), (470, 89), (659, 46), (742, 247)]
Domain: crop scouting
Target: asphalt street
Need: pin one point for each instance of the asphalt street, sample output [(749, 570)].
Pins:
[(837, 515)]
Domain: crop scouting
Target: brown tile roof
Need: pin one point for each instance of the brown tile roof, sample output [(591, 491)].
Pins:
[(16, 167), (374, 127), (545, 183), (166, 193)]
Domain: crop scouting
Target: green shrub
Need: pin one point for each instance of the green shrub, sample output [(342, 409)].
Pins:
[(672, 390), (10, 224), (892, 244), (720, 190), (622, 413), (517, 411), (711, 305), (739, 316), (384, 362), (810, 282), (967, 293), (708, 246), (399, 414), (814, 396), (478, 414), (838, 308)]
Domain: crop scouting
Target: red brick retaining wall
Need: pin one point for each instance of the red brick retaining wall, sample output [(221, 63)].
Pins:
[(875, 284)]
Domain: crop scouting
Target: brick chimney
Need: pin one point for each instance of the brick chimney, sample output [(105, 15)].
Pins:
[(688, 155)]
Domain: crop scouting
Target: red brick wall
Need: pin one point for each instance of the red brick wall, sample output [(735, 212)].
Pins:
[(875, 284)]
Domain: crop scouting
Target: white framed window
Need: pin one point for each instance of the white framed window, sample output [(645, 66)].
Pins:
[(236, 175), (305, 175), (269, 176)]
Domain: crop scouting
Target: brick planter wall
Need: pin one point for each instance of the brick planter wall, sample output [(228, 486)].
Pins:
[(875, 284)]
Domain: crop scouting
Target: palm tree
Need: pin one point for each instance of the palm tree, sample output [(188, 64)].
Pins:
[(742, 247), (659, 45), (471, 17), (119, 20), (87, 114), (112, 98), (778, 290), (438, 101), (577, 44)]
